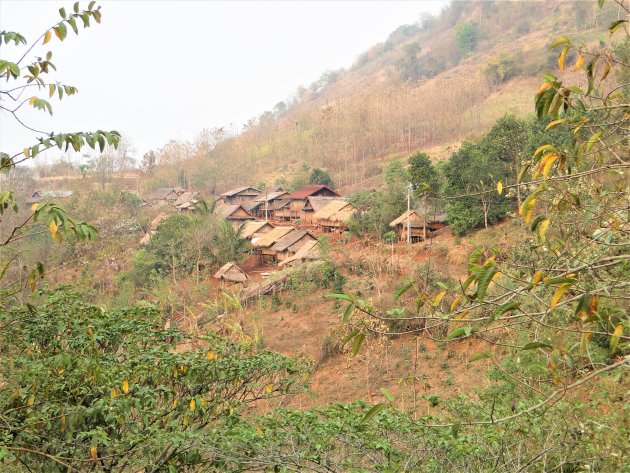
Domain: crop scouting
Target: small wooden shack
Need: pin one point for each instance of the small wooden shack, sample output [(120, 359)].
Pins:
[(240, 195), (291, 243), (334, 216), (232, 273), (314, 204), (413, 222), (267, 202)]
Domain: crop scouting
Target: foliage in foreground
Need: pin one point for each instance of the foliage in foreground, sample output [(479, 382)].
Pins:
[(110, 390)]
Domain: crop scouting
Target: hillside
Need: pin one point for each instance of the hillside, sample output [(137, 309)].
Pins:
[(428, 86)]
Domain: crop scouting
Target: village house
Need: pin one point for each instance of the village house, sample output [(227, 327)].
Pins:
[(267, 202), (230, 272), (290, 244), (300, 197), (240, 195), (262, 245), (310, 251), (334, 216), (165, 195), (255, 228), (233, 213), (188, 202), (314, 204), (280, 210), (414, 223)]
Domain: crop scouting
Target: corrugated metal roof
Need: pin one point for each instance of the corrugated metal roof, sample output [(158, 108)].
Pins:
[(186, 198)]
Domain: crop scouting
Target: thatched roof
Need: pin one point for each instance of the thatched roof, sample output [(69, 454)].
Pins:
[(290, 239), (253, 226), (279, 204), (186, 197), (416, 219), (340, 211), (227, 210), (307, 191), (319, 202), (238, 190), (231, 272), (164, 192), (309, 251), (271, 237)]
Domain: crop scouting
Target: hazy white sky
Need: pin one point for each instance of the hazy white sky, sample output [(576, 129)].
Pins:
[(161, 70)]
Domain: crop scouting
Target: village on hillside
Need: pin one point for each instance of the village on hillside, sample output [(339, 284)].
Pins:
[(283, 227)]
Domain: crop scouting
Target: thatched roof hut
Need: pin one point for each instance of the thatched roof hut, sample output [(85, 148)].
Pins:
[(231, 272)]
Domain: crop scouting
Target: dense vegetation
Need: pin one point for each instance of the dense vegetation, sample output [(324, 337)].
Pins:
[(90, 388)]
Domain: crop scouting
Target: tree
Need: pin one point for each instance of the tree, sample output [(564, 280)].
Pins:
[(319, 176), (89, 388), (20, 76), (466, 37)]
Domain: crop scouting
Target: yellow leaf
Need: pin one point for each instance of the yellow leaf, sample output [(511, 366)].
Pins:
[(192, 404), (231, 410), (34, 207), (614, 340), (544, 86), (542, 228), (30, 401), (47, 36), (175, 402), (62, 420), (259, 430), (562, 57), (94, 454), (555, 123), (175, 373), (436, 300), (31, 101), (586, 336), (211, 356), (529, 210), (500, 187), (53, 228), (113, 393), (185, 422), (456, 301), (124, 386), (27, 152), (269, 388), (578, 62), (558, 295), (496, 276), (606, 70), (593, 304)]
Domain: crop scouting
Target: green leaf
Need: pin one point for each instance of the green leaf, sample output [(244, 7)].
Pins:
[(458, 332), (533, 345), (593, 140), (347, 313), (507, 307), (73, 23), (455, 428), (560, 41), (62, 12), (372, 412), (615, 25), (480, 356), (400, 290), (343, 297), (349, 337), (356, 344), (61, 31), (388, 395)]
